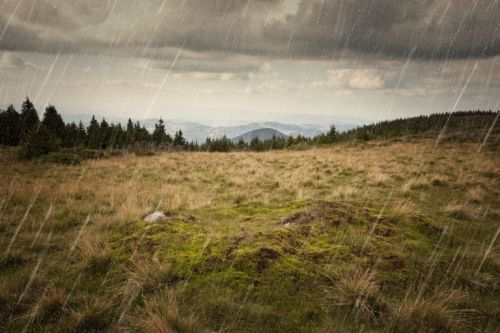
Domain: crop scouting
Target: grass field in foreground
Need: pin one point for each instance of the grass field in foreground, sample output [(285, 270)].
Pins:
[(380, 236)]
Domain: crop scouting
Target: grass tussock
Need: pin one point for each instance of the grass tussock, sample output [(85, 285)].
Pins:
[(476, 194), (163, 314), (93, 316), (359, 292), (414, 184), (378, 178), (460, 210), (51, 305), (404, 208), (344, 192), (147, 275), (95, 252), (440, 312)]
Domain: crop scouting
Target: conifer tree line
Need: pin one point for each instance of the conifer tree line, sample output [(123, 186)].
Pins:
[(40, 136), (37, 136), (50, 133), (470, 124)]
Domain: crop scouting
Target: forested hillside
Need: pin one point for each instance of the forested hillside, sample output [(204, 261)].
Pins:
[(37, 137)]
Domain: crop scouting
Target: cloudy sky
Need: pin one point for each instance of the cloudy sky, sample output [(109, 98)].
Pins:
[(234, 61)]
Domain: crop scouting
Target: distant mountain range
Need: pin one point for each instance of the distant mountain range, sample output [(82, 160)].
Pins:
[(261, 133), (198, 132)]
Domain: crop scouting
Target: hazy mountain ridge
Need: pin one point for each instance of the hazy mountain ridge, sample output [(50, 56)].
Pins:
[(194, 131), (261, 133)]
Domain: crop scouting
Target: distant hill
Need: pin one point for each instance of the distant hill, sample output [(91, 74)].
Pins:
[(261, 133), (457, 126), (199, 132)]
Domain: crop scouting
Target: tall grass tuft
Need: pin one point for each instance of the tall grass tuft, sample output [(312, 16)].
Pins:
[(162, 314), (93, 316), (441, 312), (94, 252), (360, 293)]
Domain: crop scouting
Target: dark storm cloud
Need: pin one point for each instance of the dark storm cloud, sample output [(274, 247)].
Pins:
[(400, 28), (276, 28)]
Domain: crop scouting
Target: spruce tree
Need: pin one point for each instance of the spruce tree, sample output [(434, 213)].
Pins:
[(159, 135), (130, 133), (10, 124), (179, 140), (54, 122), (105, 134), (82, 135), (93, 134), (29, 118)]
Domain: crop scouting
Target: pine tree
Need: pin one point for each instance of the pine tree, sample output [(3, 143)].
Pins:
[(70, 135), (159, 135), (332, 134), (105, 132), (256, 144), (93, 134), (241, 144), (29, 118), (179, 140), (53, 121), (10, 123), (130, 133), (82, 135)]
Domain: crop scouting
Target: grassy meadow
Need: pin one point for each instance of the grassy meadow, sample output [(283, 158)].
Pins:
[(375, 237)]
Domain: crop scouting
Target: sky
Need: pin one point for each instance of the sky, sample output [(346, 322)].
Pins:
[(226, 62)]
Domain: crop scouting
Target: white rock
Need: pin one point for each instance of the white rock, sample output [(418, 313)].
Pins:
[(155, 217)]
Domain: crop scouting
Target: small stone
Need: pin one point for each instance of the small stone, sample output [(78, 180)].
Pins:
[(155, 217)]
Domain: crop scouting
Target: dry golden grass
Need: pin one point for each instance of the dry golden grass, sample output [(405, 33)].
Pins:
[(93, 316), (460, 210), (377, 177), (127, 188), (343, 192), (50, 306), (148, 274), (413, 184), (476, 194), (162, 314), (441, 312), (94, 251), (358, 291), (242, 196), (404, 207)]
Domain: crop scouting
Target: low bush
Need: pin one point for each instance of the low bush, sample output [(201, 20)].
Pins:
[(38, 142)]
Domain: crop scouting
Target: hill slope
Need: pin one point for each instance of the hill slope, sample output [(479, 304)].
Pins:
[(458, 126), (261, 133), (397, 237)]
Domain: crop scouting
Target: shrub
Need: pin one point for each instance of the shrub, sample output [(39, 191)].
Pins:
[(91, 154), (38, 142), (63, 157), (144, 153)]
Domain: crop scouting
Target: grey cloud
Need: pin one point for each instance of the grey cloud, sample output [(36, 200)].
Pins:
[(207, 65), (423, 29), (10, 61)]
